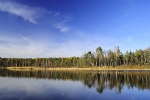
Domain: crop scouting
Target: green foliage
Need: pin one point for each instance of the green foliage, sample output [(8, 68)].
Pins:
[(89, 59)]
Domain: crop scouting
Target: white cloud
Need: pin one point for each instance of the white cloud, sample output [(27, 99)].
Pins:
[(129, 39), (37, 15), (28, 48), (78, 32), (26, 12), (23, 47), (60, 22), (63, 28)]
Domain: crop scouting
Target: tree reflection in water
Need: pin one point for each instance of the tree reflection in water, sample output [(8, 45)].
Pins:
[(99, 80)]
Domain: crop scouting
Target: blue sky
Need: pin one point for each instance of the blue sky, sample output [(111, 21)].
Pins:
[(56, 28)]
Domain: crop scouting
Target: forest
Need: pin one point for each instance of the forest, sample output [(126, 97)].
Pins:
[(100, 58)]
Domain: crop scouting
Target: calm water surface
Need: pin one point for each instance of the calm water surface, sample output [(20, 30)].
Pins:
[(83, 85)]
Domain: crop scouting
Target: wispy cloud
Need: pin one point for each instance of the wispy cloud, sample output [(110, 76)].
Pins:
[(78, 32), (26, 12), (129, 39), (63, 28), (23, 47), (37, 15), (26, 47), (59, 21)]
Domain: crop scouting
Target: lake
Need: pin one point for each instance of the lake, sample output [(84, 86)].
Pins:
[(82, 85)]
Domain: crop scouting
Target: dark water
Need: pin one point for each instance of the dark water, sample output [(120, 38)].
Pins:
[(74, 85)]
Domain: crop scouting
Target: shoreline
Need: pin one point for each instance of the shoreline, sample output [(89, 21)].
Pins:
[(75, 68)]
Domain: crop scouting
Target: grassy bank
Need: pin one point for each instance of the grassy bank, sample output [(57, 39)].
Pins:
[(136, 67)]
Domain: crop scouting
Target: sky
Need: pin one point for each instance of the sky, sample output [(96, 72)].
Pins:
[(67, 28)]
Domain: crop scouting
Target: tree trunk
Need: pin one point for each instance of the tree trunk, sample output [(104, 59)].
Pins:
[(96, 62)]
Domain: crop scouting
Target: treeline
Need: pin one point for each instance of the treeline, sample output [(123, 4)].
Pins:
[(99, 80), (99, 58)]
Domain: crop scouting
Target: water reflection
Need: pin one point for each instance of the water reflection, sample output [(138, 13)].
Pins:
[(92, 79)]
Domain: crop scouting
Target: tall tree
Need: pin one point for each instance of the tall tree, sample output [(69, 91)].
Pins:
[(99, 54)]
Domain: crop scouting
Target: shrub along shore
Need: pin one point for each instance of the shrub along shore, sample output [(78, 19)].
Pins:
[(99, 60)]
